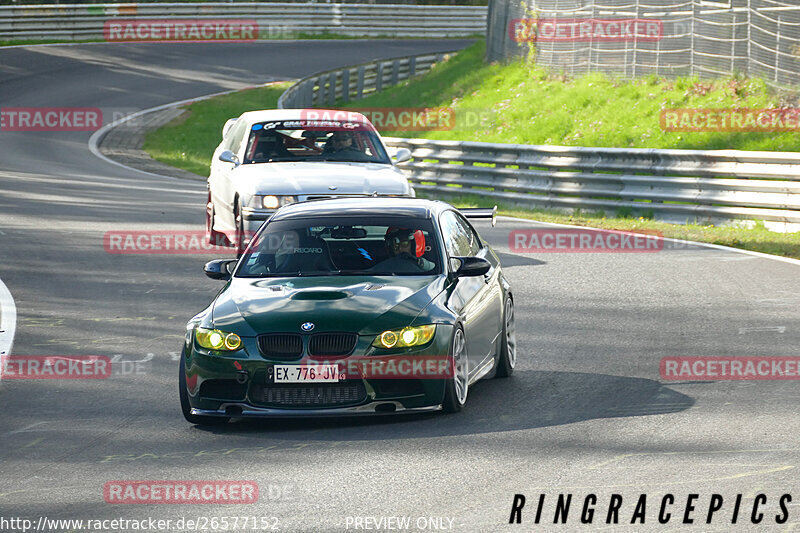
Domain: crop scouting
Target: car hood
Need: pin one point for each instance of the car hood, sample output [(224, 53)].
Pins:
[(367, 305), (302, 178)]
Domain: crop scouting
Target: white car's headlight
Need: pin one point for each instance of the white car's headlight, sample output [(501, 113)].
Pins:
[(272, 201)]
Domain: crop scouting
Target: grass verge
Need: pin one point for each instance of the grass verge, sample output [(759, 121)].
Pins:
[(189, 141), (46, 41), (523, 103)]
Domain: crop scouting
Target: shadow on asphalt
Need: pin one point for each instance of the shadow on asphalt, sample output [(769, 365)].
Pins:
[(514, 260), (527, 400)]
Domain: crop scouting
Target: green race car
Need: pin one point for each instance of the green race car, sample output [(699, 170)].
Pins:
[(351, 306)]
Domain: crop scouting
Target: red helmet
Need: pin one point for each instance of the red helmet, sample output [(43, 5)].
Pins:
[(405, 234)]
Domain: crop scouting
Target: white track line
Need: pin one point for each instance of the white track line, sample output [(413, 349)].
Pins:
[(97, 136), (8, 324), (789, 260)]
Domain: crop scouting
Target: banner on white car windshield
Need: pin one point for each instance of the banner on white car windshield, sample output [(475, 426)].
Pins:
[(314, 125)]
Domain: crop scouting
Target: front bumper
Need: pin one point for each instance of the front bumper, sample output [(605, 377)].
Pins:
[(243, 410), (239, 385)]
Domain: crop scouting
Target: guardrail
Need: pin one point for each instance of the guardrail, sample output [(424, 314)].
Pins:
[(355, 82), (274, 20), (675, 185)]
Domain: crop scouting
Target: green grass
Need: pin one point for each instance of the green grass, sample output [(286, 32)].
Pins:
[(46, 41), (189, 141), (520, 102)]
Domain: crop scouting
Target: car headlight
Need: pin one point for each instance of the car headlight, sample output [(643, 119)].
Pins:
[(406, 337), (273, 202), (214, 339)]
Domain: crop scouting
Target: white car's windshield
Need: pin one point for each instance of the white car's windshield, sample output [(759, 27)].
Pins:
[(306, 140)]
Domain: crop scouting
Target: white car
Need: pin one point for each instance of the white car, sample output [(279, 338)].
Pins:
[(271, 158)]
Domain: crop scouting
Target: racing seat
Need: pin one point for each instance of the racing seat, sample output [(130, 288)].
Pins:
[(269, 147), (310, 255)]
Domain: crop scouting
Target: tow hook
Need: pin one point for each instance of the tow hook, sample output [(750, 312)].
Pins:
[(241, 375)]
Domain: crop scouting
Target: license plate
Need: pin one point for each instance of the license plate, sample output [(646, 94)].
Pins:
[(305, 373)]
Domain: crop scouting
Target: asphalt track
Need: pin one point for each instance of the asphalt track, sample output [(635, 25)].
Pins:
[(586, 411)]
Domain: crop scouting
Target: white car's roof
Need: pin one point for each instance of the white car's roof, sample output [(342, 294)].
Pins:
[(265, 115)]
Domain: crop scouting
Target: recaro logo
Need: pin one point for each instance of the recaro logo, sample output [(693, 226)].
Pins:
[(308, 250)]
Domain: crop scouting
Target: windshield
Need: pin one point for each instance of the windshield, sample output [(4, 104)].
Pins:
[(307, 140), (342, 246)]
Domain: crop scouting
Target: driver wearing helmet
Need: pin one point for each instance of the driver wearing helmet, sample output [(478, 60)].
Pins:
[(342, 143), (406, 248)]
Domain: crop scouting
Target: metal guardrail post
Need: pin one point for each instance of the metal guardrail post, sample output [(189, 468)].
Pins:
[(360, 82), (346, 85), (395, 71), (379, 78), (332, 83)]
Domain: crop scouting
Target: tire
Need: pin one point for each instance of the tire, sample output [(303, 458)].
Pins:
[(187, 409), (457, 388), (241, 241), (210, 235), (214, 238), (507, 359)]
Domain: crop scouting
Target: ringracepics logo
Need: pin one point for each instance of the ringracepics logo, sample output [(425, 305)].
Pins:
[(728, 120), (650, 508), (50, 119), (730, 368), (180, 492), (584, 30), (569, 240), (180, 30), (55, 367)]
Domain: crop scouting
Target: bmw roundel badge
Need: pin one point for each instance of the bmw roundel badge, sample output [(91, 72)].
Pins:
[(307, 326)]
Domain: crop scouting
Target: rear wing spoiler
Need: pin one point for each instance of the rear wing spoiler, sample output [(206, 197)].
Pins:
[(480, 212)]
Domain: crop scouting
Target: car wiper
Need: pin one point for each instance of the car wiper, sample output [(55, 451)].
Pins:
[(297, 274), (284, 159)]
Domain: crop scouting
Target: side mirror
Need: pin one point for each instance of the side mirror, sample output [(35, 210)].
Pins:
[(402, 155), (472, 266), (229, 157), (219, 269)]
